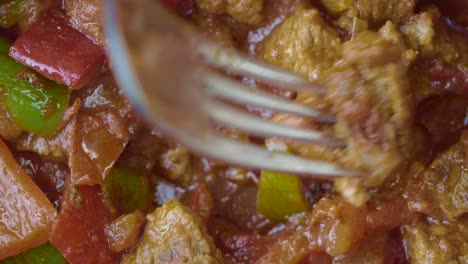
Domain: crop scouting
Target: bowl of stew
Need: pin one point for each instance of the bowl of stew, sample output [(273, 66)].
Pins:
[(85, 179)]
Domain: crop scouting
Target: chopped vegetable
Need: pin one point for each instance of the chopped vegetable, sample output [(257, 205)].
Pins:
[(10, 11), (79, 232), (201, 202), (124, 232), (280, 195), (58, 51), (96, 142), (45, 254), (27, 215), (127, 190), (36, 104)]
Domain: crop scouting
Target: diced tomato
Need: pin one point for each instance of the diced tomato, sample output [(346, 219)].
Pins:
[(245, 248), (79, 233), (58, 51), (394, 250), (26, 215), (202, 202), (93, 143), (392, 214)]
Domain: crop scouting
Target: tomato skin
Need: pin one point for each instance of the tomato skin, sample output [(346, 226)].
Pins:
[(79, 233), (201, 202)]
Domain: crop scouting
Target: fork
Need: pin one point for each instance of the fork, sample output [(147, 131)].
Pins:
[(167, 70)]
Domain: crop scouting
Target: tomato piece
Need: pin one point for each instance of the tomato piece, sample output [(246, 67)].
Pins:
[(392, 214), (26, 215), (79, 233), (201, 202), (58, 51), (395, 250)]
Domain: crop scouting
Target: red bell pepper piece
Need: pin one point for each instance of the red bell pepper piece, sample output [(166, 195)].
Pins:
[(79, 233), (26, 215), (58, 51)]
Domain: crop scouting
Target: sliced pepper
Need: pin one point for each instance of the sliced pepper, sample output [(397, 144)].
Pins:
[(127, 190), (280, 195), (45, 254), (36, 104)]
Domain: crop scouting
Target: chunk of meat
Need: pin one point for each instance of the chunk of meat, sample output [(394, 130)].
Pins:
[(86, 15), (33, 10), (369, 94), (176, 164), (302, 43), (124, 232), (437, 243), (175, 235), (246, 11), (419, 30), (335, 226), (373, 11), (442, 188), (26, 215), (215, 28), (79, 232), (441, 65), (55, 49)]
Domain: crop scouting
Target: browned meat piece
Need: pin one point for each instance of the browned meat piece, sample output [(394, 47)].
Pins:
[(86, 15), (419, 30), (373, 11), (369, 94), (442, 188), (246, 11), (174, 235), (33, 9), (437, 243), (176, 163), (216, 29), (441, 65), (303, 43)]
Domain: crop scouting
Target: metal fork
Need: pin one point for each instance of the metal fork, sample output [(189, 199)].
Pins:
[(166, 70)]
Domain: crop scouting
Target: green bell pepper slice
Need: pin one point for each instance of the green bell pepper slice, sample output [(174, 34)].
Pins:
[(36, 104), (280, 195), (45, 254), (127, 190)]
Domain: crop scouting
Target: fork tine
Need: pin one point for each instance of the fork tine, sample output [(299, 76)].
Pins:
[(229, 116), (247, 155), (232, 61), (225, 88)]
